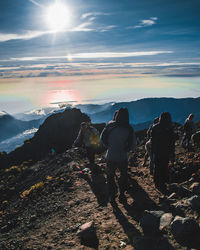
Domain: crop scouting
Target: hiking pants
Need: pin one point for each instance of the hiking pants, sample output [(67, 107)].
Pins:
[(161, 172), (90, 154), (123, 180)]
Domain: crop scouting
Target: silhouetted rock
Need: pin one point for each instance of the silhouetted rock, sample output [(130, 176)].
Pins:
[(87, 234), (186, 231), (58, 132), (150, 222)]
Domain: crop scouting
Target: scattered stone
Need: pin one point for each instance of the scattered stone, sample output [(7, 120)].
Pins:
[(33, 218), (173, 188), (184, 192), (150, 222), (172, 196), (195, 188), (87, 234), (180, 206), (122, 244), (165, 220), (194, 201), (186, 231)]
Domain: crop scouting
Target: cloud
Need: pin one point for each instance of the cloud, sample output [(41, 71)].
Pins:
[(104, 69), (83, 27), (26, 36), (94, 14), (144, 23), (96, 55), (108, 28), (86, 26), (36, 3)]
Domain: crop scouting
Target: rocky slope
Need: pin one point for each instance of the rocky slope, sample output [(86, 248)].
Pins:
[(44, 205)]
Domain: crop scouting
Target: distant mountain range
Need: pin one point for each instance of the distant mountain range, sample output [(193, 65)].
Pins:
[(145, 110), (142, 113), (10, 126)]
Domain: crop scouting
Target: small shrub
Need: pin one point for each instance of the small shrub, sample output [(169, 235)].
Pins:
[(13, 170), (32, 189), (24, 163), (49, 178)]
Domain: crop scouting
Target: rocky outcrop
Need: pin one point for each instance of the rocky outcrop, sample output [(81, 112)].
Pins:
[(186, 231), (58, 132)]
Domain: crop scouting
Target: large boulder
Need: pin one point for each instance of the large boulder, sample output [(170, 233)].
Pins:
[(150, 222), (58, 132), (186, 231)]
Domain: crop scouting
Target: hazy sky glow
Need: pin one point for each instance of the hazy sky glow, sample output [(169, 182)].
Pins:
[(108, 50)]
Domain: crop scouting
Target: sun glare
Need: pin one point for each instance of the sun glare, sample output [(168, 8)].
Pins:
[(58, 17)]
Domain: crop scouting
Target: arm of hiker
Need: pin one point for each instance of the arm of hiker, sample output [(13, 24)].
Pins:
[(79, 140), (104, 137)]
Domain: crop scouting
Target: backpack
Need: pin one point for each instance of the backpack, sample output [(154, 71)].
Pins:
[(107, 130)]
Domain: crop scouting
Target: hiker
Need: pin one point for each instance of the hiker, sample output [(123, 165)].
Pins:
[(148, 147), (88, 137), (119, 138), (189, 129), (163, 149)]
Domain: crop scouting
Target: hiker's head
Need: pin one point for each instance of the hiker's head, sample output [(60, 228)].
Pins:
[(165, 118), (190, 117), (122, 116), (156, 120), (84, 125)]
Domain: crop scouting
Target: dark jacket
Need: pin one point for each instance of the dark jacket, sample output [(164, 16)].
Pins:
[(119, 139), (163, 140)]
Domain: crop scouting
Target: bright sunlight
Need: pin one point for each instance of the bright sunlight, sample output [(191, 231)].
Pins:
[(58, 16)]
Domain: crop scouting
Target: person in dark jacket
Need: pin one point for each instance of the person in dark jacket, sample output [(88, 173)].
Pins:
[(148, 147), (189, 130), (118, 136), (163, 149)]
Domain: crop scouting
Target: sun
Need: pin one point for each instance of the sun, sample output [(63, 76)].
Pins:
[(58, 16)]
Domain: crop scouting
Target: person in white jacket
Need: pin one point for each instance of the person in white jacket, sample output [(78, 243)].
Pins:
[(119, 138)]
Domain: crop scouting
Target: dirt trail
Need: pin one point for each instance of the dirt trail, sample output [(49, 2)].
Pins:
[(49, 217)]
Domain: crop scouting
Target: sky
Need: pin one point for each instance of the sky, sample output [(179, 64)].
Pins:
[(95, 51)]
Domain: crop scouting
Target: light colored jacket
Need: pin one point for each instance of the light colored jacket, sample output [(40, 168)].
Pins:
[(90, 137), (117, 139)]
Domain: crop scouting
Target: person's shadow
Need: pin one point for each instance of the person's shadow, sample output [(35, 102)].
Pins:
[(141, 201), (128, 227), (136, 238), (99, 186)]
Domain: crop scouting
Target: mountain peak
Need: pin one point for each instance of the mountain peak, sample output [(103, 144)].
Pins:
[(2, 113)]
